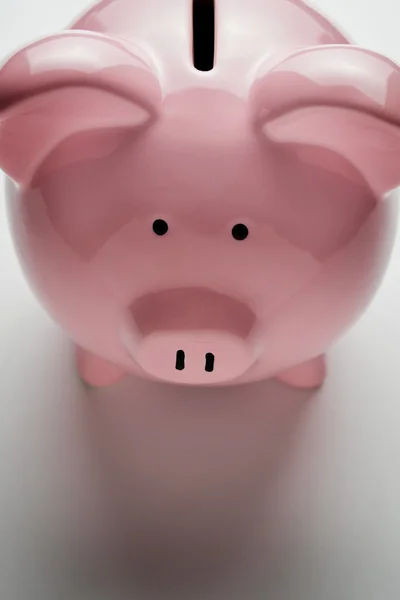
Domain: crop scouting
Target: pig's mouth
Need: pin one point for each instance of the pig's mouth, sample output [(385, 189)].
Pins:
[(192, 336)]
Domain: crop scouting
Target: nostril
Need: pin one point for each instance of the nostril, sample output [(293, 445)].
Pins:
[(180, 360), (210, 360)]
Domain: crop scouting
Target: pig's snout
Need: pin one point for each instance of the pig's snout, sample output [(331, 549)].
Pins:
[(192, 336)]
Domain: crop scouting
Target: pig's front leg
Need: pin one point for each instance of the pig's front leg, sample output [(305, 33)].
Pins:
[(308, 375), (96, 371)]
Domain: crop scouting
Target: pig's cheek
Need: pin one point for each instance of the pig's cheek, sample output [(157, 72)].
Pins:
[(67, 285), (136, 259), (85, 222), (266, 271), (329, 206)]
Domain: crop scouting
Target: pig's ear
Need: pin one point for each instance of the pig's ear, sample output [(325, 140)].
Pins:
[(67, 84), (341, 98)]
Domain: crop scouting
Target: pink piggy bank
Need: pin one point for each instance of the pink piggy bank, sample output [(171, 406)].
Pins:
[(201, 192)]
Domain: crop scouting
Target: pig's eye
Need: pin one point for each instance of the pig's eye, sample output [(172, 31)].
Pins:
[(160, 227), (240, 232)]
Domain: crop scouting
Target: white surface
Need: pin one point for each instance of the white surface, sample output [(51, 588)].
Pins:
[(196, 465)]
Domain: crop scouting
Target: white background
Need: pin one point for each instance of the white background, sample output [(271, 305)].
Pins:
[(190, 475)]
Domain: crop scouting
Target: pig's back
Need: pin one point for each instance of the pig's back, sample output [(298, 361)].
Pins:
[(245, 33)]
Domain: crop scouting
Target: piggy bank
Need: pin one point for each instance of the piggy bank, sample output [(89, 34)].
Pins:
[(201, 192)]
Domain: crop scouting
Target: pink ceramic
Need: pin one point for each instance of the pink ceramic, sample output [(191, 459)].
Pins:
[(201, 193)]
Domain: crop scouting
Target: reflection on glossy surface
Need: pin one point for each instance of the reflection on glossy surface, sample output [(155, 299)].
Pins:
[(141, 484), (107, 130), (186, 477)]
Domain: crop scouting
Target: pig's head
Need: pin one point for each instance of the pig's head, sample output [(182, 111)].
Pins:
[(199, 236)]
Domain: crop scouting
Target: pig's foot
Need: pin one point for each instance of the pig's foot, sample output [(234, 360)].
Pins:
[(95, 371), (308, 375)]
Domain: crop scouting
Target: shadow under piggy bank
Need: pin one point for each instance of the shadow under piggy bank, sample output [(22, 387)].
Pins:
[(186, 475)]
